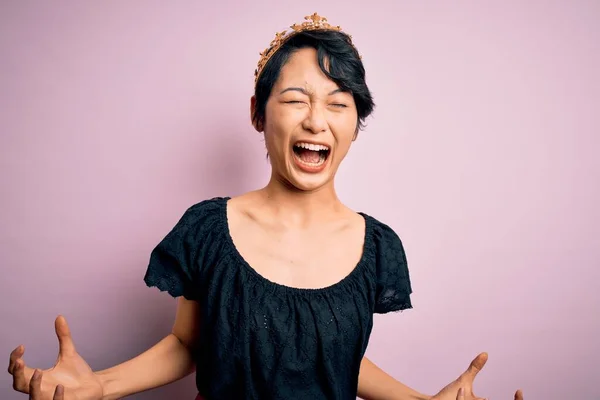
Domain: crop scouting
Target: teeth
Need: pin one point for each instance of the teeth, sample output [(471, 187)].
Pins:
[(322, 159), (310, 146)]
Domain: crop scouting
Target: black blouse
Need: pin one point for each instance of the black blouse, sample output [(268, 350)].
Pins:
[(263, 340)]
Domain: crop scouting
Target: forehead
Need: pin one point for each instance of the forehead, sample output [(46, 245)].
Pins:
[(302, 70)]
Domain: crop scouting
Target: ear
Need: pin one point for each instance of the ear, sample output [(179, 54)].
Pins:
[(257, 124)]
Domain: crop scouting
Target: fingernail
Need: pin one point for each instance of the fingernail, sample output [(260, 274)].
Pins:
[(36, 374), (461, 392)]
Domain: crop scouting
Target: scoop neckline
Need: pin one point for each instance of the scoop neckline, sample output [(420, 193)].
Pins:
[(351, 276)]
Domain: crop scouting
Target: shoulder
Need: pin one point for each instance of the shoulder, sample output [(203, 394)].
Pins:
[(199, 231), (205, 214), (209, 207), (388, 247), (393, 277), (199, 222), (191, 246), (385, 237)]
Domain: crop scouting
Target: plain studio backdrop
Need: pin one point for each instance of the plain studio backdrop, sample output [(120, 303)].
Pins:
[(482, 154)]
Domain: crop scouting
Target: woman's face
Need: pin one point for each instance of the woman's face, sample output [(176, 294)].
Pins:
[(309, 124)]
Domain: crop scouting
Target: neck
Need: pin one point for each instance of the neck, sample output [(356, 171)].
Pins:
[(300, 207)]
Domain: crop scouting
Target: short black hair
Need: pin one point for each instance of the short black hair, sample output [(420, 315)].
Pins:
[(339, 60)]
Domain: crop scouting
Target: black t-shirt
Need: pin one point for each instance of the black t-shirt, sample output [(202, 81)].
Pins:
[(263, 340)]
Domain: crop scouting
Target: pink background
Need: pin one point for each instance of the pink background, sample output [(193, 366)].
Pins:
[(482, 154)]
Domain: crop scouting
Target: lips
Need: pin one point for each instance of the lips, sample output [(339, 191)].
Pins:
[(311, 157)]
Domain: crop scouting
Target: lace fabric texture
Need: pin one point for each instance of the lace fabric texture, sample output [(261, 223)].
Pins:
[(262, 340)]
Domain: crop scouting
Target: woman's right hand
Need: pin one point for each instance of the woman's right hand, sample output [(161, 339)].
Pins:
[(459, 396), (71, 372), (35, 388)]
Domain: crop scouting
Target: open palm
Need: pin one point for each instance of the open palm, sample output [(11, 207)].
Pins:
[(70, 371), (465, 381)]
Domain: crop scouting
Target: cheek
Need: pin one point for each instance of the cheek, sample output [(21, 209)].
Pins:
[(346, 119), (278, 127), (344, 130), (342, 151), (274, 141)]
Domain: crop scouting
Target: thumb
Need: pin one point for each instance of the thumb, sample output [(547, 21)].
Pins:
[(476, 365), (461, 394), (65, 341)]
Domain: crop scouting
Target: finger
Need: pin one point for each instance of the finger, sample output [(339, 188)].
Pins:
[(519, 395), (476, 365), (461, 394), (14, 356), (22, 375), (59, 393), (35, 386), (65, 341)]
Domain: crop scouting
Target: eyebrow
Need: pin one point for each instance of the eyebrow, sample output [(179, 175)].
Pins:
[(305, 92)]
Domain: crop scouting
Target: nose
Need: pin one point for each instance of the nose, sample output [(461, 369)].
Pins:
[(315, 121)]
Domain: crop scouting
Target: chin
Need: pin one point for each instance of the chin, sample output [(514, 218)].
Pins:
[(309, 185), (309, 182)]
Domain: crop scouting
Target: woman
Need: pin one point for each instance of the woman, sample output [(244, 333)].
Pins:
[(277, 288)]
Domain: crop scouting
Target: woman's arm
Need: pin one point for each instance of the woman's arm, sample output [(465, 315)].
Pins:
[(375, 384), (167, 361)]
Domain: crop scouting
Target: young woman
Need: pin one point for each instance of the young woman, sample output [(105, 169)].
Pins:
[(277, 288)]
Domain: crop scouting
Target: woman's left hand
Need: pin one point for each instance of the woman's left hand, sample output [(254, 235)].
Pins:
[(465, 381)]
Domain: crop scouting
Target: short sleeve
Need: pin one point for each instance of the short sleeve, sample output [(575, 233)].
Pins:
[(176, 261), (393, 279)]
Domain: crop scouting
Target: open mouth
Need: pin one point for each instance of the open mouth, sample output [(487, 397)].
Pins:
[(310, 154)]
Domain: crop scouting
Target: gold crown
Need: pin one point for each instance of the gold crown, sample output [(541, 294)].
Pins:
[(312, 23)]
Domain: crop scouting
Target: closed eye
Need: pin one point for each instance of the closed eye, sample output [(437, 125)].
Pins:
[(339, 105)]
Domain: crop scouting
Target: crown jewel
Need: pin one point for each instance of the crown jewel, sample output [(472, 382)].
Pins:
[(312, 23)]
